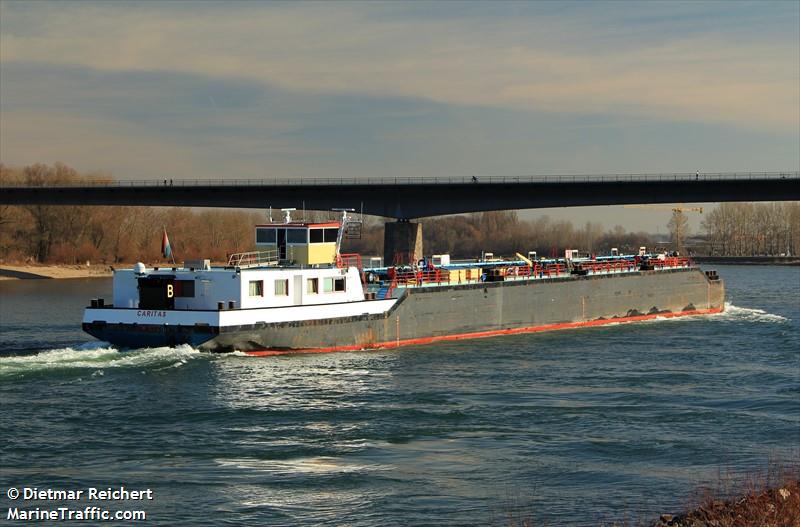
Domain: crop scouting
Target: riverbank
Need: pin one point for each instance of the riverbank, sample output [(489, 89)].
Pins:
[(774, 507), (44, 272)]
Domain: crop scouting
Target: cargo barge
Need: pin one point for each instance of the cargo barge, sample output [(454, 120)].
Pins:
[(298, 294)]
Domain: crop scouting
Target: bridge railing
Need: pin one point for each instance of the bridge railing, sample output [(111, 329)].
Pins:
[(477, 179)]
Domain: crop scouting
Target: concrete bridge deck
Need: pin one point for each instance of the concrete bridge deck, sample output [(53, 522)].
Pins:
[(416, 197)]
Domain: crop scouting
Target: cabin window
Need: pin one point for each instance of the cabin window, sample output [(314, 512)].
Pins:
[(256, 288), (331, 234), (296, 236), (265, 235), (281, 287), (334, 285), (338, 285), (312, 286), (316, 235), (184, 288)]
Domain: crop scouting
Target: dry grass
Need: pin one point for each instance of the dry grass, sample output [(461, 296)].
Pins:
[(778, 507), (763, 498), (767, 498), (760, 498)]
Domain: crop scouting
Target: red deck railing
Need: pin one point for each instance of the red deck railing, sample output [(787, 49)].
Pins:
[(607, 267), (412, 278), (670, 261), (549, 270), (435, 276), (343, 261)]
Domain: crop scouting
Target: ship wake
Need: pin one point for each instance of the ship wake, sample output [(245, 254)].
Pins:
[(732, 313), (748, 314), (93, 359)]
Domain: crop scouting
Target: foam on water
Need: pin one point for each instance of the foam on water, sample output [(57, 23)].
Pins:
[(731, 313), (750, 314), (95, 356)]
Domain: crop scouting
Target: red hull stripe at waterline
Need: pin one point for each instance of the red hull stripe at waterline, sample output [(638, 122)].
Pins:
[(483, 334)]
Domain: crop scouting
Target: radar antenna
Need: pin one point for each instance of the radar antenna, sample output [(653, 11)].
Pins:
[(287, 218)]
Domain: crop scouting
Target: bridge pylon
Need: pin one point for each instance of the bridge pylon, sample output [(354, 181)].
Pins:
[(402, 239)]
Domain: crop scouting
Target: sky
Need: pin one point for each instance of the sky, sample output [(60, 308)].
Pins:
[(241, 90)]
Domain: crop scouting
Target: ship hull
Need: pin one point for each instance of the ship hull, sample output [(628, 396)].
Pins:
[(453, 312), (432, 314), (415, 341)]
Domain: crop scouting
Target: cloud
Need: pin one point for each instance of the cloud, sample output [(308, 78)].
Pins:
[(156, 125), (531, 59)]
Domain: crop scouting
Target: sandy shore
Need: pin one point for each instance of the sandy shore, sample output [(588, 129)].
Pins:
[(17, 272)]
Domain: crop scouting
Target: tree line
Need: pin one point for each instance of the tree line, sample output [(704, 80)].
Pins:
[(505, 233), (109, 235), (751, 229)]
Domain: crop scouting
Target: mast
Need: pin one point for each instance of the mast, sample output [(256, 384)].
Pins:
[(342, 227)]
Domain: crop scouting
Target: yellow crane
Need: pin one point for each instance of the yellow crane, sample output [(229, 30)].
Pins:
[(676, 209)]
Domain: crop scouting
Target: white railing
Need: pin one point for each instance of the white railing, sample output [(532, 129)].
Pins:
[(254, 259)]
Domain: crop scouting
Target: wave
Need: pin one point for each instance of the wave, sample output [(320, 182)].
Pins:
[(94, 357), (731, 313), (748, 314)]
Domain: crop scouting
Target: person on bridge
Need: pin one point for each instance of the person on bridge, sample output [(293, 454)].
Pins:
[(474, 179)]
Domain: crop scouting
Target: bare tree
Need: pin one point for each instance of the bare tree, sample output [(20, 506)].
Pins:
[(679, 229)]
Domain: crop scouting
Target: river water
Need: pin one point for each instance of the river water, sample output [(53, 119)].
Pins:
[(575, 427)]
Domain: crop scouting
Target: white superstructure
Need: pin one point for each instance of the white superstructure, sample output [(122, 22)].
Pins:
[(297, 274), (259, 287)]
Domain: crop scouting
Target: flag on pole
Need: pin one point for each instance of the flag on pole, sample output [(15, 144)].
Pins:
[(166, 248)]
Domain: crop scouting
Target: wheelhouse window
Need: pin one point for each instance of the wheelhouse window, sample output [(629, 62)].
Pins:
[(265, 235), (282, 287), (316, 235), (256, 288), (296, 236), (331, 234), (312, 286), (333, 285)]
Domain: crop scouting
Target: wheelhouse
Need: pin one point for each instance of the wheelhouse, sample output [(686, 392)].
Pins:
[(300, 243)]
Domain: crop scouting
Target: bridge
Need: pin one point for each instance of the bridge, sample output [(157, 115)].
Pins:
[(409, 198)]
